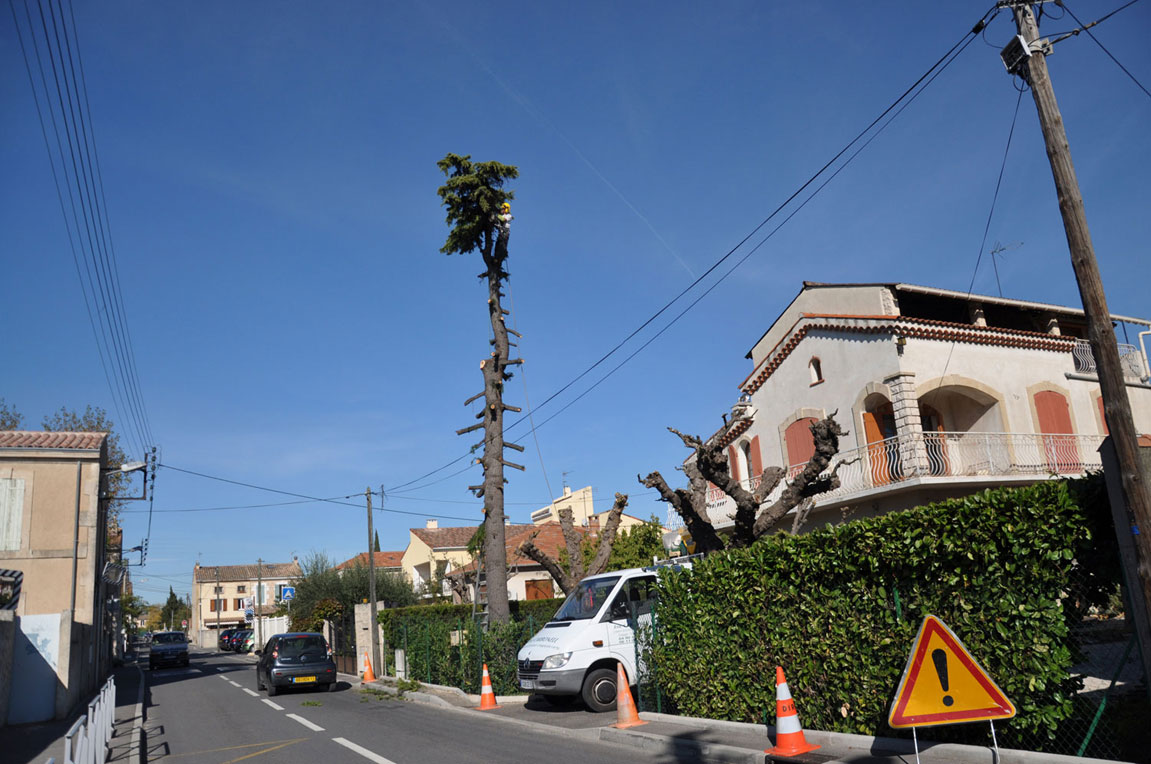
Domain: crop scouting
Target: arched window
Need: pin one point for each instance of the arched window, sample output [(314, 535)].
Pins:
[(815, 366), (800, 444)]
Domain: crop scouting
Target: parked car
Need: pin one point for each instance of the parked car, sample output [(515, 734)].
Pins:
[(234, 640), (222, 639), (169, 648), (296, 659), (248, 642), (574, 655)]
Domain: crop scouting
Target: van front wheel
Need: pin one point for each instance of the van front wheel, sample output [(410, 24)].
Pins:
[(599, 690)]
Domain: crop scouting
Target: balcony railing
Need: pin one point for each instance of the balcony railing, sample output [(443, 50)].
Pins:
[(936, 456), (1130, 359)]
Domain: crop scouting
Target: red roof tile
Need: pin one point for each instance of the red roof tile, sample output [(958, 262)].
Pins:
[(550, 540), (382, 560), (80, 441), (269, 570)]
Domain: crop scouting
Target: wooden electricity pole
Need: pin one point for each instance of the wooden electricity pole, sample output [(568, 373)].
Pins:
[(373, 624), (1104, 346)]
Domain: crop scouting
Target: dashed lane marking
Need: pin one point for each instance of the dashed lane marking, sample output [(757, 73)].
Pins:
[(369, 755), (253, 693), (276, 706), (306, 723), (234, 684)]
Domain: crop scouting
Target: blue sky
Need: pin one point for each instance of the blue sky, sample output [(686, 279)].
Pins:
[(269, 171)]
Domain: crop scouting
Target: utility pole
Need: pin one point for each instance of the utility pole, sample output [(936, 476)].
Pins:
[(259, 598), (1104, 346), (373, 625)]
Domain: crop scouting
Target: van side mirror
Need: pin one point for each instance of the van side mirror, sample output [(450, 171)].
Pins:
[(618, 611), (258, 652)]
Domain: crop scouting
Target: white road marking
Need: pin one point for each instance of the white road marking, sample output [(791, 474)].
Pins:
[(273, 705), (226, 679), (234, 684), (253, 693), (306, 723), (369, 755)]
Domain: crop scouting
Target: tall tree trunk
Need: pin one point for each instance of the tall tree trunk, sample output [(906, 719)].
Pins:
[(495, 374)]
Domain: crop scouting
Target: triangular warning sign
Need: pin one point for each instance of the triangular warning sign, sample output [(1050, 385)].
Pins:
[(942, 684)]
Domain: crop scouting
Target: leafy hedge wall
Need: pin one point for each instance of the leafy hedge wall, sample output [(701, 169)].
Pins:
[(1007, 570), (445, 646)]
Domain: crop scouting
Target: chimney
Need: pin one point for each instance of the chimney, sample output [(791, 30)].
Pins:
[(567, 490), (433, 524)]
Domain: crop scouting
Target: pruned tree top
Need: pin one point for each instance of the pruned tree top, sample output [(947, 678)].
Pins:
[(473, 195)]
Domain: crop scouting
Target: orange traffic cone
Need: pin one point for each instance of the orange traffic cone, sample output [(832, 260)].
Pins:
[(625, 712), (487, 697), (369, 675), (789, 740)]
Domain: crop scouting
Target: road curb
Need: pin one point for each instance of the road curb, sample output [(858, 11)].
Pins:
[(680, 749), (135, 740)]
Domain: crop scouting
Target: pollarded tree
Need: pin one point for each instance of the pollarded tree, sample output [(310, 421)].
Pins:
[(576, 568), (709, 464), (480, 217)]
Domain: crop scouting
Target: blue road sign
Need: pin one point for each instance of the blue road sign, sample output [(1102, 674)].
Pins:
[(288, 593)]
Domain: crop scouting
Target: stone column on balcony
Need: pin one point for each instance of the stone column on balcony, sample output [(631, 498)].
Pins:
[(908, 426)]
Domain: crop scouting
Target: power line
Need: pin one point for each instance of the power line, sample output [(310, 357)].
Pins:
[(925, 79), (1087, 28), (85, 218)]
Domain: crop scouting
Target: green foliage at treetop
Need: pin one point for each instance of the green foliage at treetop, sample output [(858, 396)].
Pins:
[(472, 195), (1009, 571), (633, 547)]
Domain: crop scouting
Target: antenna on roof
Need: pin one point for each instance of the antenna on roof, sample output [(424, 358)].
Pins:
[(999, 249)]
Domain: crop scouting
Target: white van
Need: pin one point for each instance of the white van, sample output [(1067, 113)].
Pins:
[(575, 653)]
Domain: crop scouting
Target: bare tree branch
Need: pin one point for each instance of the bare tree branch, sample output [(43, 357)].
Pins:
[(566, 581), (607, 536)]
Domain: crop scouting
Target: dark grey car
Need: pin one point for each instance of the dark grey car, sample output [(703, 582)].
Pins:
[(297, 659), (168, 648)]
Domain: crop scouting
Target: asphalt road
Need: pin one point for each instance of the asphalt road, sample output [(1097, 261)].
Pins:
[(211, 713)]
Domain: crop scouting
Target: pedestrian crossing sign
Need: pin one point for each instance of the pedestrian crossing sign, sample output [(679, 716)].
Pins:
[(943, 684)]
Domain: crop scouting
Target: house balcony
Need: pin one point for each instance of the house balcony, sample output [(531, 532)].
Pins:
[(938, 459), (1132, 362)]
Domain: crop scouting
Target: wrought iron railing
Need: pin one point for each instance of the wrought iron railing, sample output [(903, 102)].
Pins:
[(1132, 361), (939, 455)]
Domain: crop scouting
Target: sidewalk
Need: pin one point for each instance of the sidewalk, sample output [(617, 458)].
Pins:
[(37, 743), (685, 739)]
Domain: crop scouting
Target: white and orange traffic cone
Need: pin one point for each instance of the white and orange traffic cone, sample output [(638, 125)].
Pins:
[(369, 675), (487, 697), (625, 711), (789, 739)]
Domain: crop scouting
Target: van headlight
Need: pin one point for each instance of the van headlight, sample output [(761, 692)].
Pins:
[(556, 661)]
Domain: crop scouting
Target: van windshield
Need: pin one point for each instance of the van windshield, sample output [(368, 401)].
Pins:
[(587, 599)]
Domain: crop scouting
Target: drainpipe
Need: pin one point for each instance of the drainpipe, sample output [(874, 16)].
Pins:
[(76, 540), (1146, 363)]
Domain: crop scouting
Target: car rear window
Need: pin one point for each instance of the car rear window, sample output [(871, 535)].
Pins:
[(168, 638), (292, 647)]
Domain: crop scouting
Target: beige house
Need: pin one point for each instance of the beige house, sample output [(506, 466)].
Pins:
[(222, 593), (383, 562), (433, 552), (58, 631), (942, 393)]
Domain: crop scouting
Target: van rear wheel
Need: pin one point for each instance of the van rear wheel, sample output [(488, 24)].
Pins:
[(599, 690)]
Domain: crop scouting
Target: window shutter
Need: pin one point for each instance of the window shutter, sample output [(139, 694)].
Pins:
[(11, 513)]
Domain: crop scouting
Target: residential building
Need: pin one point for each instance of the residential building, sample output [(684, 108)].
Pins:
[(433, 552), (941, 393), (387, 562), (222, 594), (581, 503), (53, 552)]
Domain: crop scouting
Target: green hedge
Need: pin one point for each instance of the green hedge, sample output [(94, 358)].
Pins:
[(1008, 570), (444, 645)]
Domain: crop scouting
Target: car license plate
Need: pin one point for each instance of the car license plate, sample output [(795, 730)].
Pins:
[(302, 679), (527, 684)]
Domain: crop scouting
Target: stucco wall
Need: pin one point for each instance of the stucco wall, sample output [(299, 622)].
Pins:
[(866, 300), (48, 525)]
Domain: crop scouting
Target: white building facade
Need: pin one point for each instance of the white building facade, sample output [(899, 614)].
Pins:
[(942, 394)]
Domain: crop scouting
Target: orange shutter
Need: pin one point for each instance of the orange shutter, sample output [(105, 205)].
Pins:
[(733, 460), (756, 458), (800, 444)]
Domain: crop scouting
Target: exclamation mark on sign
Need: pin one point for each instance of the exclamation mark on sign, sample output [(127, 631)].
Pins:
[(939, 657)]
